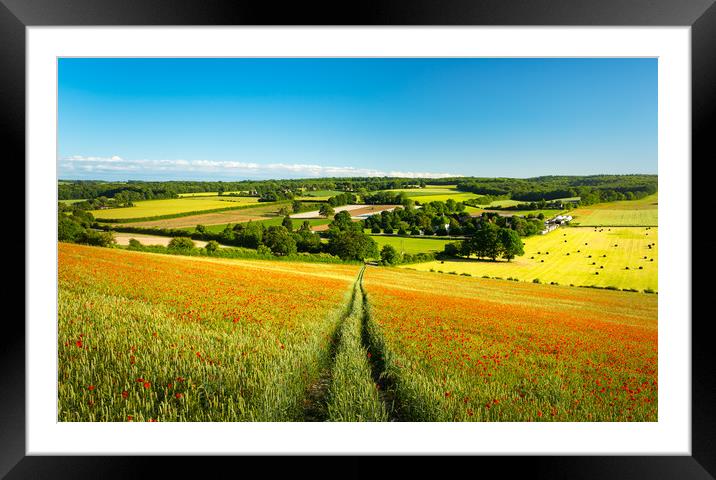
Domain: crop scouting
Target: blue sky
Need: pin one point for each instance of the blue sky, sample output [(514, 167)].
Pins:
[(232, 119)]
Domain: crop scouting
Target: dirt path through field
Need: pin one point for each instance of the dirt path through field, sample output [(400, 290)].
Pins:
[(387, 387), (318, 403)]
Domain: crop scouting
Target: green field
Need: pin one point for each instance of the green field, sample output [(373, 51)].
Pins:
[(433, 193), (566, 256), (173, 206), (411, 244), (443, 197), (504, 203), (319, 194), (70, 202), (643, 212)]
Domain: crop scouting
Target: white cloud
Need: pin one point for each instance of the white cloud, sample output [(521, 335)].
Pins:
[(116, 164)]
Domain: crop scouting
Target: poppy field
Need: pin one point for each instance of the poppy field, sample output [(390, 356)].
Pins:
[(149, 337), (465, 349), (145, 337)]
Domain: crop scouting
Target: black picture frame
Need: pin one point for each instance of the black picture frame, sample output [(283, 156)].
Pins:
[(700, 15)]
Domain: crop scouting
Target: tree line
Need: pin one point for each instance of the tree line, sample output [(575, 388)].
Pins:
[(490, 241), (446, 219), (591, 189)]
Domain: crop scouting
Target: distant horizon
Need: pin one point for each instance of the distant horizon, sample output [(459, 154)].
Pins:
[(342, 177), (281, 118)]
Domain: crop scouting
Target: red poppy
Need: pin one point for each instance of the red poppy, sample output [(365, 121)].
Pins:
[(140, 380), (125, 394), (147, 384), (129, 418), (90, 388), (539, 413), (78, 343), (178, 395)]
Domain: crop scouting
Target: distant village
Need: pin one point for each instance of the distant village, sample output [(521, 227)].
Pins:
[(555, 222)]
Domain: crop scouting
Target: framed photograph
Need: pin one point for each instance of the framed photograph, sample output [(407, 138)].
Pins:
[(415, 231)]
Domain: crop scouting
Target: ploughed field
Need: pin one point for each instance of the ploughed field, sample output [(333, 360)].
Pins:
[(463, 349), (619, 257), (149, 337), (124, 238)]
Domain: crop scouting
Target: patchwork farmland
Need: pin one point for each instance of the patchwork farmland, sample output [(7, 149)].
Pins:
[(381, 310)]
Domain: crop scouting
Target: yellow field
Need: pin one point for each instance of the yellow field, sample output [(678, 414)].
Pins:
[(579, 256), (443, 197), (643, 212), (153, 208), (205, 194), (263, 211)]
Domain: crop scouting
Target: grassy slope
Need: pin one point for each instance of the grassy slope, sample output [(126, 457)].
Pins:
[(642, 212), (411, 244), (465, 349), (242, 346)]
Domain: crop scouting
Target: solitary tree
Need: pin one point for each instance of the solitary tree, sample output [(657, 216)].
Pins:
[(212, 246), (280, 241), (181, 244), (326, 210), (389, 255), (342, 221), (134, 244), (352, 245), (453, 249), (511, 243)]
